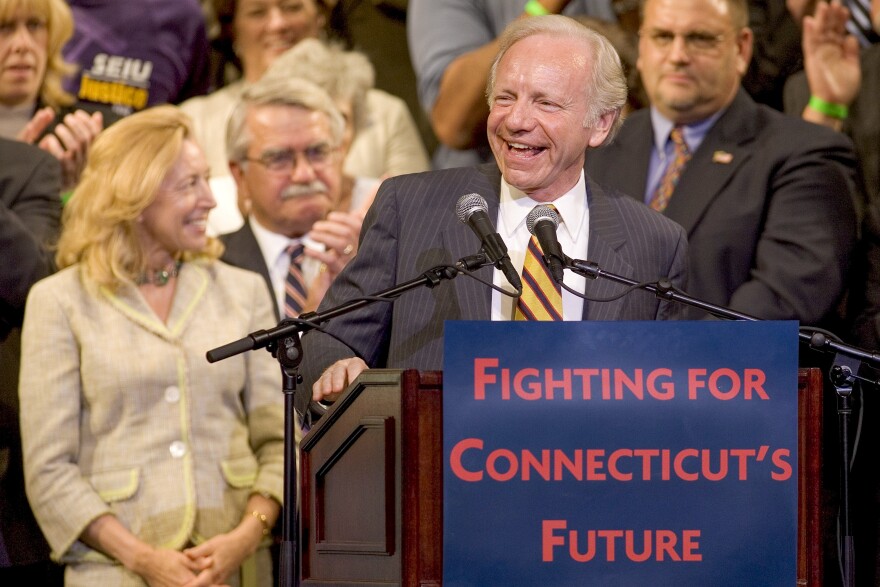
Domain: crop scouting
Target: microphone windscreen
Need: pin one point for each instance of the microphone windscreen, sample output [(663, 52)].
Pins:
[(541, 213), (468, 204)]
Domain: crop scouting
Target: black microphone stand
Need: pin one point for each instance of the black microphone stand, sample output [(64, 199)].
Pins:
[(283, 341), (844, 375), (288, 351)]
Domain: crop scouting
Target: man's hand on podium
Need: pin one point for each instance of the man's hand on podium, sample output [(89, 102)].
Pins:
[(336, 378)]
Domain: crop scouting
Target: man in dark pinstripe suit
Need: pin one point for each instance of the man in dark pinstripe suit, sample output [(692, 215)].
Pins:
[(555, 90)]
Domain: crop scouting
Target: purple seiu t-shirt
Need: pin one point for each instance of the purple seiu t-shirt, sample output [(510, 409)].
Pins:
[(137, 54)]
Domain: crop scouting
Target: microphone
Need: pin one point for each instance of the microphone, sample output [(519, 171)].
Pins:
[(473, 211), (542, 222)]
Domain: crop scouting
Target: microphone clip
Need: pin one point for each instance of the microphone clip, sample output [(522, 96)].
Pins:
[(473, 262)]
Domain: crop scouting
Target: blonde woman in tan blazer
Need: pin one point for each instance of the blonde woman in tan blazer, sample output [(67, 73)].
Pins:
[(144, 464)]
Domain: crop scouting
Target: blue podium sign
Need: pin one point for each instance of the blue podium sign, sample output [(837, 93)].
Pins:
[(620, 453)]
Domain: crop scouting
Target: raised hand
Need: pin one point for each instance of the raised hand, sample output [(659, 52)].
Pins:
[(831, 55)]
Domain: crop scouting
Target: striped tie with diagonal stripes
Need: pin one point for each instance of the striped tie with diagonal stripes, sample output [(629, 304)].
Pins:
[(681, 155), (541, 297), (295, 286), (859, 23)]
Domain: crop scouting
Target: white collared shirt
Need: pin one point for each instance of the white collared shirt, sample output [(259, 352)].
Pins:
[(274, 249), (573, 232)]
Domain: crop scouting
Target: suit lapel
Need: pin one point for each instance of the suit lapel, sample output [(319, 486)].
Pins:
[(243, 251), (726, 147), (605, 238)]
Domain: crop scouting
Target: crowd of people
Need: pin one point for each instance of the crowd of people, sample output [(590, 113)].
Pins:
[(177, 174)]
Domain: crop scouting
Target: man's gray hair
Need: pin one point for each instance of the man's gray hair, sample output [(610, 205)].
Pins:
[(292, 92), (606, 89)]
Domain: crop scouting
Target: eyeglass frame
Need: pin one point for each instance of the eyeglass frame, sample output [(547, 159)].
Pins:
[(699, 42), (324, 151)]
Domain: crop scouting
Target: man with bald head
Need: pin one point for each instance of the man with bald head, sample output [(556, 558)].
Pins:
[(766, 199), (555, 93)]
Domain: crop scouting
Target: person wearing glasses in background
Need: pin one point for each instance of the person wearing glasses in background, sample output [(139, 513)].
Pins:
[(258, 32), (284, 141), (766, 199)]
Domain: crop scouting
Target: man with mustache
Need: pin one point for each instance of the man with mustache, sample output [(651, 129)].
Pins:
[(766, 199), (283, 143)]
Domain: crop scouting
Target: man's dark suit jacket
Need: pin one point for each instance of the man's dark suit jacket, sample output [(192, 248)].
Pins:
[(766, 201), (412, 227), (243, 251), (30, 212)]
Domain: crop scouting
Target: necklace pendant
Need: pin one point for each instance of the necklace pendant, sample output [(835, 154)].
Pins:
[(159, 277), (162, 277)]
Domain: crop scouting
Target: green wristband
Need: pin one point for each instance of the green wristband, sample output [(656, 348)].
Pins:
[(838, 111), (535, 8)]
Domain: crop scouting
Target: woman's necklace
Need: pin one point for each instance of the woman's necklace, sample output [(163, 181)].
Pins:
[(160, 277)]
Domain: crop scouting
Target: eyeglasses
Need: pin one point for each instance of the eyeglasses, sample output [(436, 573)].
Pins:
[(694, 42), (285, 160)]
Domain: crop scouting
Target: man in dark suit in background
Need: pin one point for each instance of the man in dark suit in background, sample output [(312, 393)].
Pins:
[(284, 152), (766, 199), (556, 89), (30, 212)]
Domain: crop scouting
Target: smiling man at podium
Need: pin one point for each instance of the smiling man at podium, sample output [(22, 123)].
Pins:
[(555, 90)]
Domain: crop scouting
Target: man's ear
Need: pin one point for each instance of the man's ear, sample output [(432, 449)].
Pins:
[(242, 194), (602, 127), (237, 172), (745, 40)]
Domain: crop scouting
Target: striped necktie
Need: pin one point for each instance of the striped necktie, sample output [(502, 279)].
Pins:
[(859, 23), (295, 286), (681, 155), (541, 297)]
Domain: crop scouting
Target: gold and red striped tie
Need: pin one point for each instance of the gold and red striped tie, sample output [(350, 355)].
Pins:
[(681, 156), (541, 297)]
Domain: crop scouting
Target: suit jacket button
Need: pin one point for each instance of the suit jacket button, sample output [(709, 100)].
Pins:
[(177, 449), (172, 394)]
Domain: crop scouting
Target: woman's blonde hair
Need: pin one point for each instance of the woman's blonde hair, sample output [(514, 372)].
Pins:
[(59, 26), (127, 164)]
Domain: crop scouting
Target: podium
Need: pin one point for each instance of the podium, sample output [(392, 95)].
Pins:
[(372, 471), (372, 492)]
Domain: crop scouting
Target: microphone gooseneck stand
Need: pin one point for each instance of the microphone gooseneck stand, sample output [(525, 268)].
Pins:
[(844, 375), (283, 341)]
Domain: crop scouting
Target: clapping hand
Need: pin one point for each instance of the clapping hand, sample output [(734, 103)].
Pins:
[(69, 142)]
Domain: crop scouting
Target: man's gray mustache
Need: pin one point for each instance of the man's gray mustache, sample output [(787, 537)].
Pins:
[(304, 189)]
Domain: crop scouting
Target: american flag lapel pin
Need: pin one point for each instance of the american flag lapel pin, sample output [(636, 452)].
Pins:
[(722, 157)]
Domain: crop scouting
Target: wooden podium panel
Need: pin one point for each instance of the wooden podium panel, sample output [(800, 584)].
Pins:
[(813, 521), (372, 489), (372, 471)]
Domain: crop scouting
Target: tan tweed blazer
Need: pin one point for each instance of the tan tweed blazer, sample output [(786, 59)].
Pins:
[(122, 414)]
